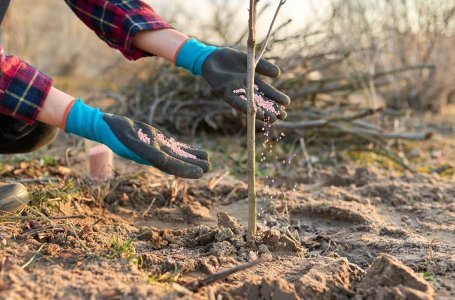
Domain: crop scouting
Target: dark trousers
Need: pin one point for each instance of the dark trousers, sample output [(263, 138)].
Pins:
[(3, 7), (18, 137)]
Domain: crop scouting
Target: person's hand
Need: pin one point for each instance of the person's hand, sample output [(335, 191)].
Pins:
[(225, 71), (137, 141)]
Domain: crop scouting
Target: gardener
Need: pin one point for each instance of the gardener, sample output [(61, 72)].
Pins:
[(32, 109)]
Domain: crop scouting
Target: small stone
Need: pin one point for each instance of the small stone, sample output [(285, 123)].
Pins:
[(64, 170), (252, 256), (225, 220), (206, 238), (238, 241), (271, 221), (157, 241), (222, 249), (243, 255), (436, 154), (267, 256), (207, 268), (387, 274), (406, 220), (271, 237), (263, 249), (224, 234)]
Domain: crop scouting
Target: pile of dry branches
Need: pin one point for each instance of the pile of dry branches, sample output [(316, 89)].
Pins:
[(335, 99)]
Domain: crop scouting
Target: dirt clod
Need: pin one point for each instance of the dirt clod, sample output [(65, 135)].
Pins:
[(139, 245), (387, 276), (225, 220), (271, 237), (263, 249), (222, 249), (282, 240), (329, 279), (269, 289), (224, 234)]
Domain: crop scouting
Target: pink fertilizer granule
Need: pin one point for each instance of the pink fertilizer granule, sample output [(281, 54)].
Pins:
[(176, 147), (143, 136), (258, 98)]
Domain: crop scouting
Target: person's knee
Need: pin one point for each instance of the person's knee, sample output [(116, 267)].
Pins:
[(40, 135)]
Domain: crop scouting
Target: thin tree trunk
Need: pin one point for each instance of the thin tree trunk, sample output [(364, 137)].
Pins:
[(251, 120)]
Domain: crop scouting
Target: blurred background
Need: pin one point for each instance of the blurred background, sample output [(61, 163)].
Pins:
[(364, 75)]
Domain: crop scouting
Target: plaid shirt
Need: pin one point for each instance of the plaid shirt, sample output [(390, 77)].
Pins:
[(23, 89)]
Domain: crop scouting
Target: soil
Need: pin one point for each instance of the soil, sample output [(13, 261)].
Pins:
[(353, 233)]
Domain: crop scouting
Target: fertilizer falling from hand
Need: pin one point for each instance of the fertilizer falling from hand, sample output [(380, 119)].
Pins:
[(265, 104), (268, 145), (261, 101)]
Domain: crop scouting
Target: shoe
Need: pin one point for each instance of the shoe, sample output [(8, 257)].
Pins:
[(13, 197)]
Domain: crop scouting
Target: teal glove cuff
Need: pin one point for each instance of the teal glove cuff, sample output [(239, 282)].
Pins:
[(192, 56), (84, 120), (88, 122)]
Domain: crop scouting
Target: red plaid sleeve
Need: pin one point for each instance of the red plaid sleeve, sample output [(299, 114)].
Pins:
[(23, 88), (117, 22)]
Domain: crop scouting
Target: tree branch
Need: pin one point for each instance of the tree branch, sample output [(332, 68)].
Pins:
[(269, 33)]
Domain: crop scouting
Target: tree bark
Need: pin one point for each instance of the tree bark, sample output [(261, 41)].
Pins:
[(251, 120)]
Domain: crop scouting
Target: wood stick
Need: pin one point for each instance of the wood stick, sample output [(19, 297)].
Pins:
[(33, 257), (251, 120), (360, 115), (197, 284), (412, 136), (38, 180), (269, 33), (26, 218), (300, 125)]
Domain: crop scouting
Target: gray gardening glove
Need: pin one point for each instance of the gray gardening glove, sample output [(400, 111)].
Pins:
[(136, 141), (225, 71)]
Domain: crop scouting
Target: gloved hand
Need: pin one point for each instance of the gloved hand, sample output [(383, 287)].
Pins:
[(136, 141), (225, 71)]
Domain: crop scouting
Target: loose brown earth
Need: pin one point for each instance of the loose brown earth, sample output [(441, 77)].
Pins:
[(355, 233)]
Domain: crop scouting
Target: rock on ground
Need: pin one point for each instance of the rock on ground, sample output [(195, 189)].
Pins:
[(329, 279), (388, 278)]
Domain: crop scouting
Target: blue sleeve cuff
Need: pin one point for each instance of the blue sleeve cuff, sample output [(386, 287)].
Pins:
[(192, 56)]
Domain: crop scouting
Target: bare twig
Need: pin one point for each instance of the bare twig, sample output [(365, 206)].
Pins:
[(413, 136), (38, 180), (50, 228), (23, 218), (300, 125), (269, 33), (307, 158), (33, 257), (359, 115), (196, 285), (149, 207), (84, 229)]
